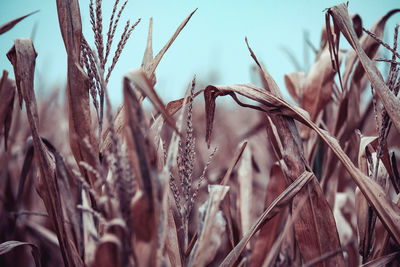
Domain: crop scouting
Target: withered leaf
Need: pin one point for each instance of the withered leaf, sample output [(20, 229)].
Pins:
[(7, 93), (211, 227), (7, 246), (149, 64), (294, 82), (223, 182), (108, 252), (276, 206), (24, 56), (9, 25), (316, 213), (144, 200), (389, 100), (272, 228), (386, 210), (25, 169), (139, 79), (382, 261), (78, 87), (368, 44), (317, 89), (245, 180)]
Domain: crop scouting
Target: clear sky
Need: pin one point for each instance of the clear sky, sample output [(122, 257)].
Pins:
[(211, 45)]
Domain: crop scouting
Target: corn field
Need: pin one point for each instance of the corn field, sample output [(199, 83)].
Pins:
[(270, 181)]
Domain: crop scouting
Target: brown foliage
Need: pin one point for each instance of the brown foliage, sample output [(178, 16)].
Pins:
[(135, 196)]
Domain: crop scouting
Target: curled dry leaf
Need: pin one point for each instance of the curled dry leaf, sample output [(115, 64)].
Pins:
[(7, 246), (23, 57), (315, 213), (175, 105), (386, 210)]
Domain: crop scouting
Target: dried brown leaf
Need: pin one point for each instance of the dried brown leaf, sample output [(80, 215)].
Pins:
[(78, 87), (9, 25), (171, 242), (389, 100), (137, 140), (7, 93), (386, 210), (244, 200), (361, 203), (144, 200), (315, 213), (270, 231), (315, 228), (276, 206), (149, 64), (368, 44), (23, 57), (108, 252), (140, 80), (7, 246), (382, 261), (318, 85), (223, 182), (25, 169), (294, 82), (211, 227), (175, 105)]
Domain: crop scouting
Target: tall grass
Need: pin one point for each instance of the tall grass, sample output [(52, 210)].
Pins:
[(274, 183)]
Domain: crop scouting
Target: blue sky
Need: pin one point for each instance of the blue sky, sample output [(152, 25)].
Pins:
[(211, 45)]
